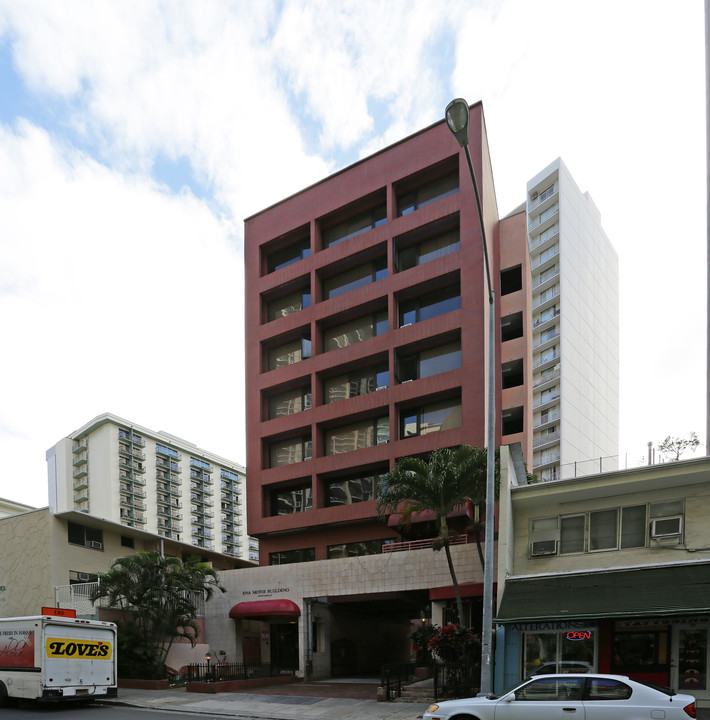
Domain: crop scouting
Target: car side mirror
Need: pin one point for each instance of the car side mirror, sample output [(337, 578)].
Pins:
[(508, 698)]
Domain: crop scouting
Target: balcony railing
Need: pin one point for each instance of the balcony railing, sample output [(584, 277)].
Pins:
[(544, 400), (420, 544), (548, 193), (545, 439), (544, 215), (545, 338), (78, 597), (550, 417), (546, 377), (545, 296)]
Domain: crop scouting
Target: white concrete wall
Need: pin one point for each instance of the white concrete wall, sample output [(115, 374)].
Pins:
[(388, 572), (601, 493)]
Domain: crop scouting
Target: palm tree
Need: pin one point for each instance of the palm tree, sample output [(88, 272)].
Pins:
[(447, 479), (159, 599)]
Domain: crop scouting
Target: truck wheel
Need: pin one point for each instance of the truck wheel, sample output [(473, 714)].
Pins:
[(4, 699)]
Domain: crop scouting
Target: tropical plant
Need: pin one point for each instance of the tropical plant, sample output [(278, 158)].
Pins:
[(420, 644), (447, 479), (159, 599), (460, 651), (455, 646)]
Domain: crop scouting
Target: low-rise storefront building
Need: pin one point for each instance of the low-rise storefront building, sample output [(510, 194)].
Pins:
[(608, 573)]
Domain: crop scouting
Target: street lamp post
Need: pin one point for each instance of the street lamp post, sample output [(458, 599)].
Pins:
[(457, 119), (208, 657)]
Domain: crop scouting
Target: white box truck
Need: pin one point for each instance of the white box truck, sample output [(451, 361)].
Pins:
[(49, 658)]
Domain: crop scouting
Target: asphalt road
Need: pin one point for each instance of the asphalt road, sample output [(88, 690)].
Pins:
[(30, 711)]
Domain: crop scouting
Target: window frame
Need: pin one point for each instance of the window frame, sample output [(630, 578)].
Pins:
[(304, 505), (644, 515), (306, 447), (377, 425), (419, 303), (418, 412), (370, 272)]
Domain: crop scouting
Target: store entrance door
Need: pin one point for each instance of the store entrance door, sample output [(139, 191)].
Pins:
[(284, 646), (690, 661)]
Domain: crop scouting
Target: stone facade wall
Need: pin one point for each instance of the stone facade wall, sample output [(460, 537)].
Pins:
[(25, 556)]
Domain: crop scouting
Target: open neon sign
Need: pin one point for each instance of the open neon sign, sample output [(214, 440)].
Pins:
[(579, 635)]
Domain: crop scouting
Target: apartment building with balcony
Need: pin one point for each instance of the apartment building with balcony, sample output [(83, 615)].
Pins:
[(575, 330), (117, 470), (367, 317), (367, 322)]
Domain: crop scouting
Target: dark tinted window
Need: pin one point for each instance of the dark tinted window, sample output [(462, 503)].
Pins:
[(606, 689), (551, 688)]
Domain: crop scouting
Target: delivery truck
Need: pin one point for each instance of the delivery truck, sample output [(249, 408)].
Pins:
[(56, 659)]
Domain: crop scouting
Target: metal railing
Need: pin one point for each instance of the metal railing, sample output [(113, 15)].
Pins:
[(78, 597), (456, 681), (420, 544), (392, 677), (217, 672)]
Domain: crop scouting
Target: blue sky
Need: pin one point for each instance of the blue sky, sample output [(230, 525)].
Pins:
[(135, 137)]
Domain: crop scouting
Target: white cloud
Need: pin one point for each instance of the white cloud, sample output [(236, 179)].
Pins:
[(121, 298), (182, 79), (261, 97)]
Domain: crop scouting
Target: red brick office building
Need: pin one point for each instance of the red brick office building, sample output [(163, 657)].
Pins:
[(366, 326)]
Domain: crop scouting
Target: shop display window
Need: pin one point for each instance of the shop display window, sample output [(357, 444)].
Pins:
[(570, 650)]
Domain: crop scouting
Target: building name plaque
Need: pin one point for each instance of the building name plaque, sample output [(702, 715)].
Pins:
[(265, 592)]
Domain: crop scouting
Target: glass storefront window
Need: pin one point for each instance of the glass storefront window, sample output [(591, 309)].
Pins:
[(640, 649), (559, 651)]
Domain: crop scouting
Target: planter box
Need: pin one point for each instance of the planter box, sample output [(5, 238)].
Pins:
[(235, 685), (132, 684)]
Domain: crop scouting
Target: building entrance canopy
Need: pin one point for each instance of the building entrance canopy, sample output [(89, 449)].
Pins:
[(265, 608), (657, 591)]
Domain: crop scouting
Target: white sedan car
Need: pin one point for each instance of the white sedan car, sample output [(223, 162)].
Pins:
[(574, 697)]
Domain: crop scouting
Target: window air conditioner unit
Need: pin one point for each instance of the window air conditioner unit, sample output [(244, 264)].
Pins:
[(667, 527), (84, 577), (96, 545), (543, 547)]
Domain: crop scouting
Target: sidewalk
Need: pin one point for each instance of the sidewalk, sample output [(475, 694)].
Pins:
[(273, 706), (269, 706)]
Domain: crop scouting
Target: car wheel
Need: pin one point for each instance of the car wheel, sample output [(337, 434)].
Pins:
[(463, 717)]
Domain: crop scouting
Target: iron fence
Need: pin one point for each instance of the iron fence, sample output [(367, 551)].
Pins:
[(456, 681), (392, 677), (215, 672)]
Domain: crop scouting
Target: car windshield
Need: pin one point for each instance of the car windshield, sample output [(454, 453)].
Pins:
[(503, 693)]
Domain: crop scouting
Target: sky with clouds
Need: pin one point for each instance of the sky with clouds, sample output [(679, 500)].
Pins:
[(136, 136)]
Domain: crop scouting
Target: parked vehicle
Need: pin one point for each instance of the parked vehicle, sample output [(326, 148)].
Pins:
[(546, 697), (563, 666), (50, 658)]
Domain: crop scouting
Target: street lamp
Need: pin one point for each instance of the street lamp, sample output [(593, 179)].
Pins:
[(457, 119), (208, 657)]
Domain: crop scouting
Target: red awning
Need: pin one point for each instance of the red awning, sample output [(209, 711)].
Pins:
[(262, 608)]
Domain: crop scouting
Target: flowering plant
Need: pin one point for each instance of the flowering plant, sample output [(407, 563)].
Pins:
[(456, 646), (420, 644)]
